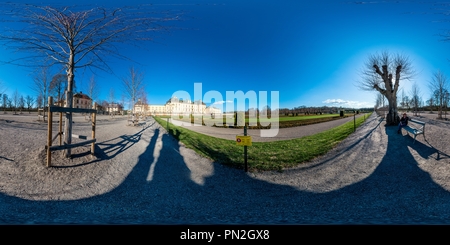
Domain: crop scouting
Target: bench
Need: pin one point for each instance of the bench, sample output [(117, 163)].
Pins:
[(135, 122), (418, 129), (43, 117)]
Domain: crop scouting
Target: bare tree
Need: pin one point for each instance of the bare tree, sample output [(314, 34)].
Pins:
[(439, 87), (57, 87), (29, 101), (402, 103), (379, 104), (122, 100), (111, 98), (104, 104), (2, 95), (41, 85), (21, 103), (415, 99), (9, 102), (111, 95), (4, 102), (430, 103), (75, 37), (92, 89), (134, 86), (39, 101), (383, 73), (144, 100), (15, 100)]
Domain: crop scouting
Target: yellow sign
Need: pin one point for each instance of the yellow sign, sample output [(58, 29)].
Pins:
[(243, 140)]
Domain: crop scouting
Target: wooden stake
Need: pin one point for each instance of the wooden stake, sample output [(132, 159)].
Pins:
[(49, 132), (245, 150), (93, 128), (60, 125)]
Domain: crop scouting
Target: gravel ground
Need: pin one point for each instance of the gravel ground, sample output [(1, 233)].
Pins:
[(141, 175)]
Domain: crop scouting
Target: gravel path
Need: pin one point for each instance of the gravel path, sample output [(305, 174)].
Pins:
[(141, 175)]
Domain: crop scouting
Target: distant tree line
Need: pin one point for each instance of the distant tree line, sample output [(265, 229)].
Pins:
[(438, 101), (303, 110)]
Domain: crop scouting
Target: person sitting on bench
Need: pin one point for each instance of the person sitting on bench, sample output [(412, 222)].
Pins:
[(403, 122)]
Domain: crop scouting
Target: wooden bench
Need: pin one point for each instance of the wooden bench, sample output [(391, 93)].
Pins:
[(133, 121), (419, 128), (43, 117)]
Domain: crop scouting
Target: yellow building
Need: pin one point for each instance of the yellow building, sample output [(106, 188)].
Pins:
[(81, 100), (141, 107), (177, 106), (115, 108)]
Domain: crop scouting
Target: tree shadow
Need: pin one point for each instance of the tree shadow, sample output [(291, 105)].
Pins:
[(111, 148), (7, 159), (400, 190), (439, 154), (356, 142), (107, 149)]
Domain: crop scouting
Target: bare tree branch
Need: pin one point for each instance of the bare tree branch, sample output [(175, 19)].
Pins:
[(439, 87), (54, 33), (41, 85), (386, 81), (133, 85), (76, 36), (93, 89)]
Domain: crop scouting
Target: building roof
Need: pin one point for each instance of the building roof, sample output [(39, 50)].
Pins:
[(81, 96), (114, 105), (139, 103)]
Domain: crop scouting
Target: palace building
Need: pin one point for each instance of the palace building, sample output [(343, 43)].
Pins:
[(176, 105)]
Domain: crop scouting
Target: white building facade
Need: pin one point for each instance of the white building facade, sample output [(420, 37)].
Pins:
[(178, 106)]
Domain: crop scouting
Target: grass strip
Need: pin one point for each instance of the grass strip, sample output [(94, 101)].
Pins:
[(263, 156)]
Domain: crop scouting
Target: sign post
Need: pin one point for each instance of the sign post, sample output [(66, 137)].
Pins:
[(245, 150), (244, 141)]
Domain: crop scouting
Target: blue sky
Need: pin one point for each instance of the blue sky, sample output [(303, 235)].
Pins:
[(312, 52)]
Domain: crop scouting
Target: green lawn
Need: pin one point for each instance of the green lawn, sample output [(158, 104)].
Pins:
[(262, 156)]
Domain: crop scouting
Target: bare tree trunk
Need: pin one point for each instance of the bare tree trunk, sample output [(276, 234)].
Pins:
[(392, 117), (69, 104)]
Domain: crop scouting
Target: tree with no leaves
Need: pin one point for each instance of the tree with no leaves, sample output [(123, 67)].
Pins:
[(92, 89), (111, 102), (439, 87), (4, 102), (77, 36), (134, 85), (415, 99), (57, 87), (29, 101), (383, 73), (15, 100), (41, 85)]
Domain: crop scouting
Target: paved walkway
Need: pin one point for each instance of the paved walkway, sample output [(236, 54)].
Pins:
[(283, 133)]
